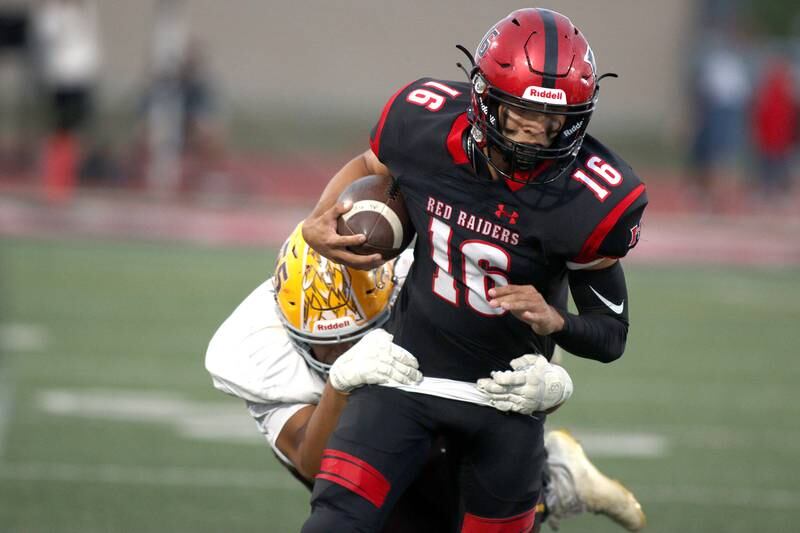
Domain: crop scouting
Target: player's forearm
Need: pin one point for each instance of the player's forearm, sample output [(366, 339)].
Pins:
[(593, 336), (358, 167), (600, 331), (319, 428)]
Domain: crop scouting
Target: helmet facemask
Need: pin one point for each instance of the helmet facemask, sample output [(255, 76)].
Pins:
[(520, 159), (537, 61), (304, 341)]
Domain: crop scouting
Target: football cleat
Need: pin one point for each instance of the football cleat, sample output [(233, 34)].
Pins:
[(577, 486)]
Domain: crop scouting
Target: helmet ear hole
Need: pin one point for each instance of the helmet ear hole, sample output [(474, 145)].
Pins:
[(479, 84)]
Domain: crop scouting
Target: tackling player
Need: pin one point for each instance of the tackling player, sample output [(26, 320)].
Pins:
[(277, 347), (510, 197)]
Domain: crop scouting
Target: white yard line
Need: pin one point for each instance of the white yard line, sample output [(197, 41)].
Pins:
[(250, 479), (228, 421), (6, 401), (16, 337), (148, 475), (610, 443), (225, 420), (6, 404), (721, 496)]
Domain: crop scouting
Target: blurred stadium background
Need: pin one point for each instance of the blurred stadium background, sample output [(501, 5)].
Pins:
[(206, 130)]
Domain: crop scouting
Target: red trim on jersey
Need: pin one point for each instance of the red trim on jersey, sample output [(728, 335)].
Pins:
[(513, 524), (455, 140), (589, 251), (514, 185), (530, 176), (355, 475), (375, 143)]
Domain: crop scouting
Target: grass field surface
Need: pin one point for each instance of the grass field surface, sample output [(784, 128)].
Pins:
[(108, 421)]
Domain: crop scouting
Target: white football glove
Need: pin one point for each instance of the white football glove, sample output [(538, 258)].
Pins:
[(374, 360), (535, 385)]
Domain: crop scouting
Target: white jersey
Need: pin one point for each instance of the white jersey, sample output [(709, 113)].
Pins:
[(251, 357)]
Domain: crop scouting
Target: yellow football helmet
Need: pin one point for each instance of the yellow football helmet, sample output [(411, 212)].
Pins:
[(322, 302)]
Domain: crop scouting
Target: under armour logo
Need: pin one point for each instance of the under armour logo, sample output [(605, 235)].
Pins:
[(501, 212)]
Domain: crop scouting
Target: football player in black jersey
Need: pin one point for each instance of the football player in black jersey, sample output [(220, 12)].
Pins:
[(511, 199)]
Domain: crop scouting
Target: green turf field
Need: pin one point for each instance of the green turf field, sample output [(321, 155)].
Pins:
[(109, 423)]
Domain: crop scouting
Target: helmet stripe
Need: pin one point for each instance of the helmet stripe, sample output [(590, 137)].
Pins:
[(550, 49)]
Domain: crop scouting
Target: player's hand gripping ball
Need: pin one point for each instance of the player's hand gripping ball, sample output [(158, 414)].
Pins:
[(379, 212)]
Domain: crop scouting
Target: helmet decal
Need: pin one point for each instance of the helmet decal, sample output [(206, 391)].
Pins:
[(487, 39), (333, 324), (327, 293), (572, 129), (545, 96), (589, 58), (322, 302)]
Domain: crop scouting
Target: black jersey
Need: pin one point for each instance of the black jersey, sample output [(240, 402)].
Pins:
[(474, 233)]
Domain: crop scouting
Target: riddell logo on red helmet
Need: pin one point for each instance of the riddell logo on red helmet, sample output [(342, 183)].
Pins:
[(545, 96), (338, 324)]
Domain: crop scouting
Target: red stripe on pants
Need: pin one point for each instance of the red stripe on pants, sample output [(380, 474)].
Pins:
[(355, 475), (521, 523)]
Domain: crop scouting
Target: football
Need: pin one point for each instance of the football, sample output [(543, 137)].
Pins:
[(379, 212)]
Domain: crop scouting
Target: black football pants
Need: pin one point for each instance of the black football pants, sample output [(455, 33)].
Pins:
[(382, 441)]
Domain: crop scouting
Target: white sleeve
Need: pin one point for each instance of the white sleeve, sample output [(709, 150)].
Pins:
[(251, 357), (270, 420), (403, 264)]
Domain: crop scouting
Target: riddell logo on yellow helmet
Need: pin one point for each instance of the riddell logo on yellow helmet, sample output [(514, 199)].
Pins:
[(331, 326)]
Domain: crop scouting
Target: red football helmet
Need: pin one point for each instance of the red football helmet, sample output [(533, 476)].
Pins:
[(537, 60)]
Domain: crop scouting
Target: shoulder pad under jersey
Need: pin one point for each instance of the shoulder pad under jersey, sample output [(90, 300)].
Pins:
[(417, 124), (614, 201)]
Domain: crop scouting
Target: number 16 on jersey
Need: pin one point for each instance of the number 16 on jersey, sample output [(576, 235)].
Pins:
[(483, 265)]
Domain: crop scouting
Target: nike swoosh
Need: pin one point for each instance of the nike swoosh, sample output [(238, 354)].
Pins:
[(617, 308)]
